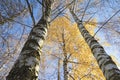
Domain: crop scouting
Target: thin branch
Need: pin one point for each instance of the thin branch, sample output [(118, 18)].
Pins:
[(31, 12), (54, 11), (71, 77), (91, 18), (106, 22), (8, 19), (85, 10), (3, 38), (21, 23), (117, 31), (69, 56), (73, 8), (61, 11), (85, 63), (5, 19), (88, 73), (17, 45), (40, 3), (56, 56), (7, 43)]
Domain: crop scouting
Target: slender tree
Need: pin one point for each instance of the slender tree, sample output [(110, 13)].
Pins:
[(27, 65), (65, 61), (106, 64), (58, 69)]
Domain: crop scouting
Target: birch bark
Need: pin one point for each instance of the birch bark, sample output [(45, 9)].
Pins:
[(106, 64), (27, 65)]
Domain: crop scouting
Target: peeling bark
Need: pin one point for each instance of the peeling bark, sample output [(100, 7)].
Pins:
[(106, 64), (27, 65)]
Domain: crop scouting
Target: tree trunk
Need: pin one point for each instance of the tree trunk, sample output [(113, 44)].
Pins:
[(106, 64), (27, 65), (58, 69), (65, 61)]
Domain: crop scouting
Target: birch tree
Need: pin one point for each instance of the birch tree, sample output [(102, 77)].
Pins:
[(105, 62), (76, 62), (27, 65)]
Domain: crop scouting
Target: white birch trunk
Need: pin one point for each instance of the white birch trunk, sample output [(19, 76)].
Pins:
[(106, 64), (27, 65)]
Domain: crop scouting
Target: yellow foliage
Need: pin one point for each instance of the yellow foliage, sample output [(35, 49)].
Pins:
[(90, 26), (87, 67)]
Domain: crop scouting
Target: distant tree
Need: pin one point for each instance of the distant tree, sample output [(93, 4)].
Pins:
[(73, 49)]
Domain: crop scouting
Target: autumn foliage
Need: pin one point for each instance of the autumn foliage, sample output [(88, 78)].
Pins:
[(81, 63)]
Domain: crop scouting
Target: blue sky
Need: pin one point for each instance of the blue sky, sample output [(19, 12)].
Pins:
[(104, 36)]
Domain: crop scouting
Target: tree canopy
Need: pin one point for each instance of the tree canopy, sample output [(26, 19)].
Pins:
[(63, 42)]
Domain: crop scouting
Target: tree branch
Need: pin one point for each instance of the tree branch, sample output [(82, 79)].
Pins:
[(61, 11), (106, 22), (31, 12), (85, 10)]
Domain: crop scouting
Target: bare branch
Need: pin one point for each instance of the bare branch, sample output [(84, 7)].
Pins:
[(85, 10), (62, 11), (106, 22), (31, 12), (40, 3), (71, 77)]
